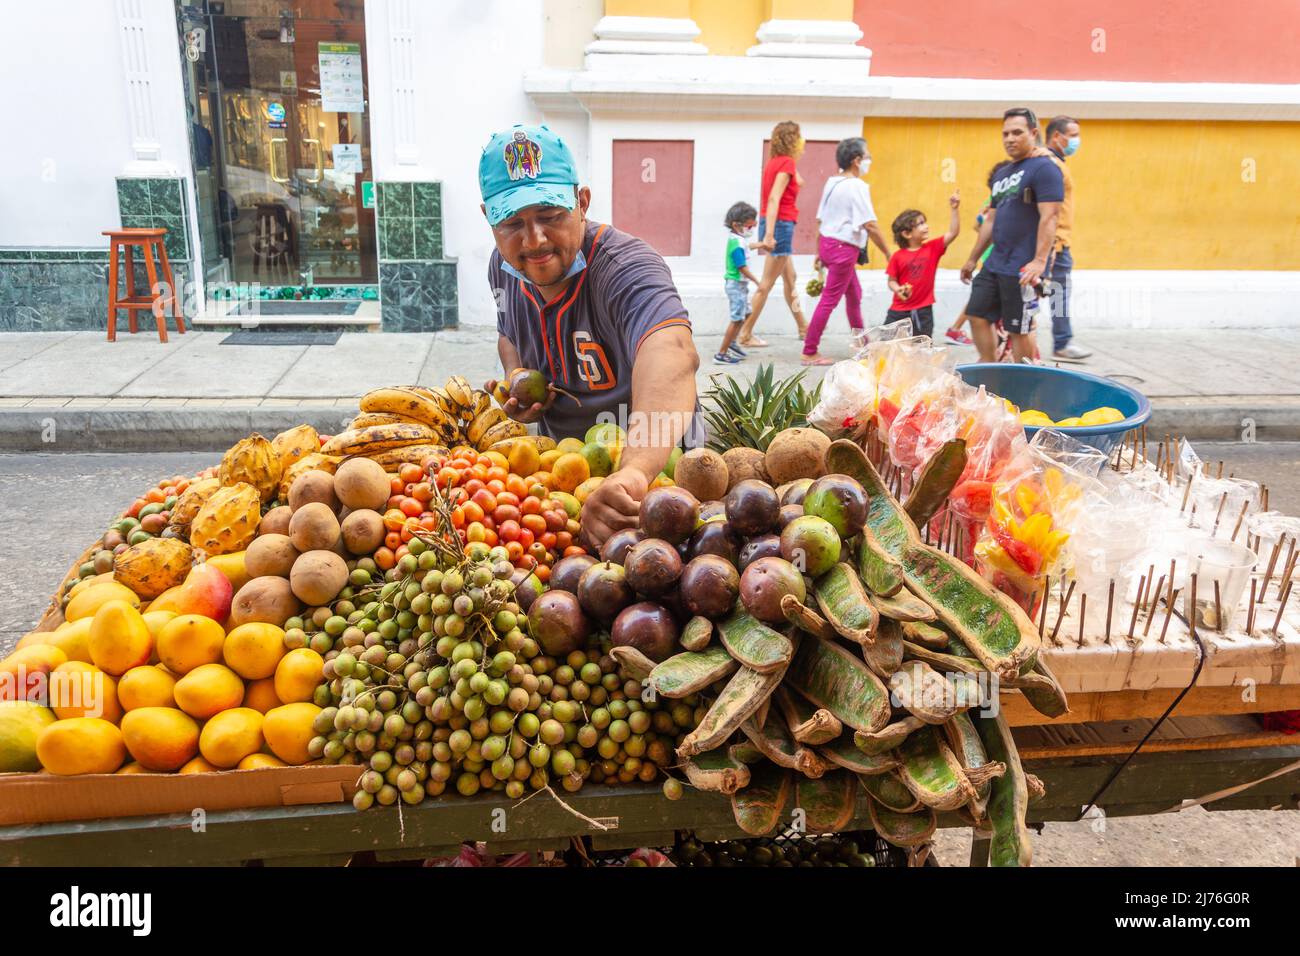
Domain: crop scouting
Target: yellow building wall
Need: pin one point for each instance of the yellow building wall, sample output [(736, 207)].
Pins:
[(647, 8), (1148, 194), (727, 27), (570, 26)]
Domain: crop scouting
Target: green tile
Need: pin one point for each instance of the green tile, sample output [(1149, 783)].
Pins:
[(133, 197), (93, 255), (165, 197), (15, 255), (394, 200), (396, 239), (54, 255), (428, 238), (176, 242), (427, 200)]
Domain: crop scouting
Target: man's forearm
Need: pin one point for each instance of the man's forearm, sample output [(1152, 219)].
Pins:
[(983, 238), (508, 354), (1047, 232), (663, 400)]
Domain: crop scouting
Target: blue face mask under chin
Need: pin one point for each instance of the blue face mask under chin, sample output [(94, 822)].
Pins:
[(1071, 146), (579, 263)]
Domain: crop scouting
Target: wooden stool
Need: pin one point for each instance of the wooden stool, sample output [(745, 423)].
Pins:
[(149, 240)]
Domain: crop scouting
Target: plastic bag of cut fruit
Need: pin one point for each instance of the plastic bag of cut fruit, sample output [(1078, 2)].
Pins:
[(927, 417), (995, 447), (848, 400), (1032, 517), (900, 366)]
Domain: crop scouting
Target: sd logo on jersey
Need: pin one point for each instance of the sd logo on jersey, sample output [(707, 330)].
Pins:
[(593, 365)]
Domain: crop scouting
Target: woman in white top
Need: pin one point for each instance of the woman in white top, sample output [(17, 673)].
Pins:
[(845, 220)]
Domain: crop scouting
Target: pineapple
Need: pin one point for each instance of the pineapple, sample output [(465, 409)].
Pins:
[(252, 461), (189, 503), (329, 463), (228, 521), (151, 567), (751, 415), (294, 445)]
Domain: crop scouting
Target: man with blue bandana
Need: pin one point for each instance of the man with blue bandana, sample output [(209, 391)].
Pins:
[(594, 310)]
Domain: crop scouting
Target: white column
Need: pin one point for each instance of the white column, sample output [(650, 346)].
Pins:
[(675, 35), (401, 45), (140, 76)]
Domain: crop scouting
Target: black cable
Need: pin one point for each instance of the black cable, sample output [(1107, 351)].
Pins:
[(1200, 662)]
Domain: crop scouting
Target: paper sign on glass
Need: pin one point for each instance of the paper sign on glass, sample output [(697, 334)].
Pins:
[(347, 158), (342, 84)]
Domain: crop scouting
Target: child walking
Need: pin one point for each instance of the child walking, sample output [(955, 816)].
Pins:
[(912, 268), (740, 221)]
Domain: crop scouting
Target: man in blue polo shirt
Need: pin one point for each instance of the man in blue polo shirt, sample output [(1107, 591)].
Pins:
[(1021, 224), (594, 309)]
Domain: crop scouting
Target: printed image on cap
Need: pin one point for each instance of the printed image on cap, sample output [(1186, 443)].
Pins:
[(525, 166)]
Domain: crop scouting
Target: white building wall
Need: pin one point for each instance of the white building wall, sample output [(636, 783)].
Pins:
[(68, 119)]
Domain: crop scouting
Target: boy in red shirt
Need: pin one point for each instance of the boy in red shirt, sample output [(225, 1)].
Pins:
[(912, 268)]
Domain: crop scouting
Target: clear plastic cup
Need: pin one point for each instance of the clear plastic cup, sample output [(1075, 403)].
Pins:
[(1225, 563)]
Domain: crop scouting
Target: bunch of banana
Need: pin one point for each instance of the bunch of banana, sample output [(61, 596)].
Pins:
[(377, 438)]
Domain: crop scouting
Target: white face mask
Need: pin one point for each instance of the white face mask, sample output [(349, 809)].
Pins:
[(864, 166)]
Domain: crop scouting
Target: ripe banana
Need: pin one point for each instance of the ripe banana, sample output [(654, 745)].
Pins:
[(482, 402), (501, 430), (363, 441), (460, 390), (407, 403), (394, 458), (366, 419), (479, 426)]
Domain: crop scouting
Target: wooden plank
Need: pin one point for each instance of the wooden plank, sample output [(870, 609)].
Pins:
[(1129, 704), (1226, 742)]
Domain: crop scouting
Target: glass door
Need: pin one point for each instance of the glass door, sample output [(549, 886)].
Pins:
[(290, 143)]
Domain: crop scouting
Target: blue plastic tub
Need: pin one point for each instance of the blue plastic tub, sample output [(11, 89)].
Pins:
[(1063, 393)]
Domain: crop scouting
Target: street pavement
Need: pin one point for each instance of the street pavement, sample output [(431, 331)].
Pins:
[(76, 392), (55, 504)]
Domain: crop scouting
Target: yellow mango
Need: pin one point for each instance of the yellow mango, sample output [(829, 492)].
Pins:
[(261, 696), (90, 600), (156, 620), (135, 767), (160, 738), (253, 650), (298, 675), (232, 566), (73, 638), (231, 736), (146, 687), (78, 689), (80, 745), (208, 690), (119, 638), (258, 761), (198, 765), (188, 641), (288, 730), (90, 582)]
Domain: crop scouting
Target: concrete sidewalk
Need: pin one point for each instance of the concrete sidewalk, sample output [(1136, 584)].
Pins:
[(74, 391)]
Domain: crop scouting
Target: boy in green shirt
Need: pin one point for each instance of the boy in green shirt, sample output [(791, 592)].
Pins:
[(740, 221)]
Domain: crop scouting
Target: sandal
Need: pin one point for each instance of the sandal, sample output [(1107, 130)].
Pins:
[(816, 360)]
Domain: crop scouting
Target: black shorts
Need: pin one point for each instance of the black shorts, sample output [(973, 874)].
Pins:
[(922, 319), (997, 298)]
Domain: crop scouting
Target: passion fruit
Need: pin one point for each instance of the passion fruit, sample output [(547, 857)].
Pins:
[(568, 571), (712, 509), (788, 514), (603, 591), (618, 544), (648, 627), (763, 546), (765, 582), (792, 492), (709, 585), (715, 537), (752, 507), (527, 587), (558, 624), (811, 544), (528, 387), (669, 513), (653, 567), (840, 500)]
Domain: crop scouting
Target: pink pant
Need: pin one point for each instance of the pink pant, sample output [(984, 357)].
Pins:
[(841, 261)]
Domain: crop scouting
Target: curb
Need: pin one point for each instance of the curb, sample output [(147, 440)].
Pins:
[(78, 430)]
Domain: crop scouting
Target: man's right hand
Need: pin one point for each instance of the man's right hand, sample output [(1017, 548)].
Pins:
[(968, 271), (613, 505), (519, 413)]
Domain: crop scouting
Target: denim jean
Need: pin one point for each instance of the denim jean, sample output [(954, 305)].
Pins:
[(1062, 266)]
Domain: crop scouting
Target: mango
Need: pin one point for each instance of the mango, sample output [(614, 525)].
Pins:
[(288, 730), (261, 696), (90, 600), (90, 582), (135, 767), (80, 745), (119, 638), (156, 620), (298, 675), (21, 723), (188, 641), (78, 689), (253, 650), (206, 591), (231, 736), (198, 765), (232, 566), (71, 637), (146, 687), (160, 738), (24, 674), (208, 690), (259, 761)]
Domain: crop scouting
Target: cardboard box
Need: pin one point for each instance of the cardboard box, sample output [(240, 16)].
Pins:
[(35, 798)]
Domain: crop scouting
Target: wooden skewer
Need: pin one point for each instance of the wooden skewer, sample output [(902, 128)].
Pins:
[(1110, 601), (1277, 621), (1144, 443), (1042, 615), (1132, 621), (1289, 565), (1218, 609), (1250, 609), (1220, 473), (1083, 615), (1060, 615), (1169, 603), (1146, 595), (1272, 562), (1192, 617), (1151, 612), (1192, 517), (1187, 492), (1219, 514), (1264, 492), (1241, 517)]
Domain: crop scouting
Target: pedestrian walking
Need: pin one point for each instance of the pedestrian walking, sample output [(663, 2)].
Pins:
[(737, 275), (1063, 140), (912, 268)]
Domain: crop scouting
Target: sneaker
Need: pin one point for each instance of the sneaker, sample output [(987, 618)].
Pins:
[(738, 351), (1071, 353), (724, 358), (960, 337)]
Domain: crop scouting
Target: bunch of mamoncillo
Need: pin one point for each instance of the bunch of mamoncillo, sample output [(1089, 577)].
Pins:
[(885, 677)]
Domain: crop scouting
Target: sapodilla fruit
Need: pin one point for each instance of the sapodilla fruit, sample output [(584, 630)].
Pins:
[(254, 461), (227, 522), (151, 567)]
